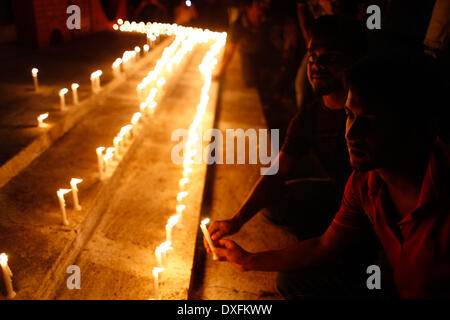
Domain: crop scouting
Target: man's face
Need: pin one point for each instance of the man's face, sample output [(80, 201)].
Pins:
[(326, 66), (331, 6), (373, 138)]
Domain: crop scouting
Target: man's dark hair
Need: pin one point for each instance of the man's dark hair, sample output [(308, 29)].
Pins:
[(405, 83), (343, 33)]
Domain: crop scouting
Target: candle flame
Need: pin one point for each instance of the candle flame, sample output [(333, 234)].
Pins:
[(205, 221), (183, 181), (120, 21), (3, 259), (75, 181), (34, 71), (180, 208), (63, 91), (146, 47), (161, 82), (157, 270), (42, 117), (116, 26), (75, 86), (181, 195), (62, 192), (136, 118), (173, 220), (137, 49), (100, 150)]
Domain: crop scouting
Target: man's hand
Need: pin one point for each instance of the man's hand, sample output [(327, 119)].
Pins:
[(228, 250), (219, 229)]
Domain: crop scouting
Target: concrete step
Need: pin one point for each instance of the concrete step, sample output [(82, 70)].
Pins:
[(125, 214)]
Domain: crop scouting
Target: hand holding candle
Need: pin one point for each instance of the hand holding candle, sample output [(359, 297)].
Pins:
[(207, 237), (7, 275)]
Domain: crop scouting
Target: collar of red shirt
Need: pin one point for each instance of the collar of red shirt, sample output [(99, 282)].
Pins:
[(435, 183)]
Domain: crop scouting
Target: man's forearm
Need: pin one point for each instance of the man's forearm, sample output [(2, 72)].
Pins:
[(260, 196), (303, 255)]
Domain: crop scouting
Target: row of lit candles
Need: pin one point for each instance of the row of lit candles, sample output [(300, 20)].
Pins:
[(127, 133), (121, 143), (205, 67)]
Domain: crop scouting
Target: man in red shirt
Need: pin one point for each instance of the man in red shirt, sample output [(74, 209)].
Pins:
[(399, 188)]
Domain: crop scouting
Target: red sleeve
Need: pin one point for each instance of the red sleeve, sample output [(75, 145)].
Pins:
[(351, 213)]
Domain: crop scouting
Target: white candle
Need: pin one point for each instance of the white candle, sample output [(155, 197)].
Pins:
[(116, 67), (34, 73), (93, 82), (170, 224), (75, 92), (207, 237), (138, 51), (99, 73), (7, 275), (41, 119), (62, 203), (117, 141), (73, 185), (181, 195), (146, 48), (135, 120), (183, 181), (156, 272), (108, 159), (101, 167), (158, 255), (62, 98)]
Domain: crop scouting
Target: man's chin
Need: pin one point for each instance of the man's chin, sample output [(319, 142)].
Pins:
[(361, 164)]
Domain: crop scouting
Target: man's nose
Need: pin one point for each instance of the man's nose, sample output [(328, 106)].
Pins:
[(354, 130)]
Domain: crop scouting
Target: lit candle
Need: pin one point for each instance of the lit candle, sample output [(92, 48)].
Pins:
[(135, 120), (146, 48), (75, 92), (170, 224), (62, 94), (156, 272), (183, 181), (207, 237), (99, 73), (7, 275), (186, 171), (62, 203), (41, 119), (180, 208), (158, 255), (117, 141), (181, 195), (93, 81), (34, 73), (138, 51), (116, 67), (73, 185), (101, 167), (108, 159)]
